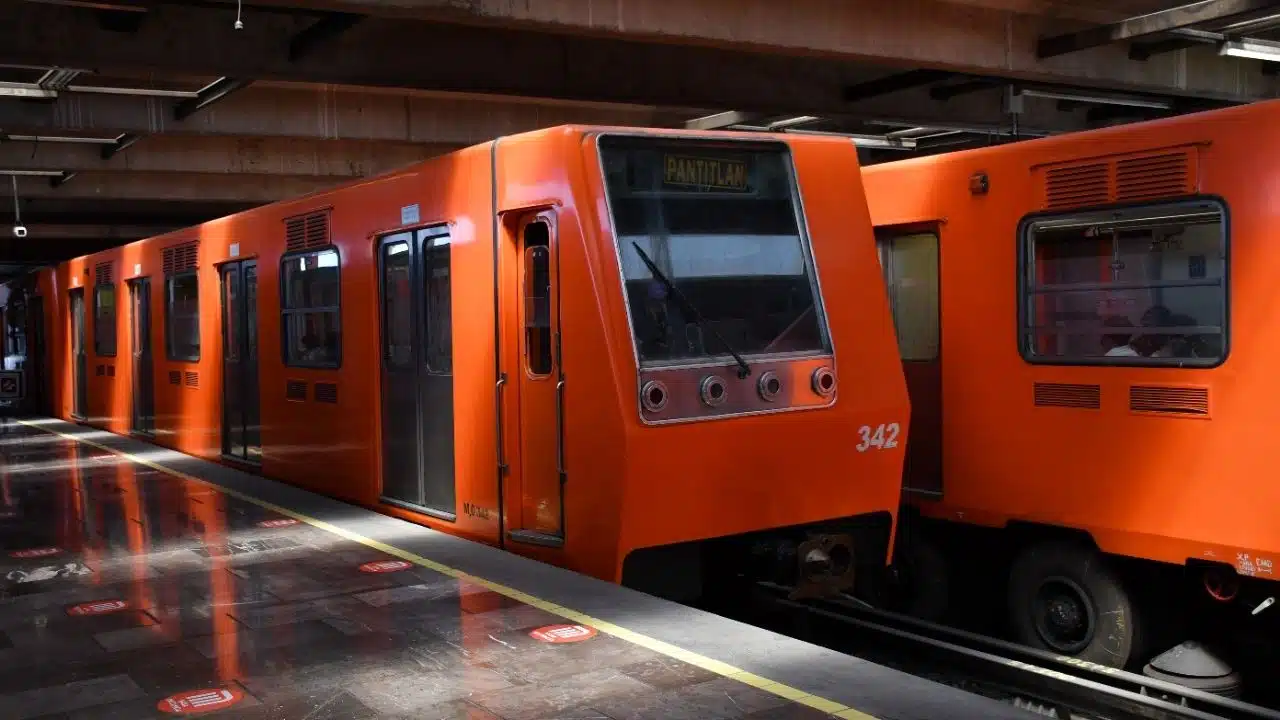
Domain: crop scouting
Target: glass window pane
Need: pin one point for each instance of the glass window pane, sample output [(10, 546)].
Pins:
[(311, 280), (1142, 284), (437, 299), (183, 316), (397, 305), (720, 221), (312, 338), (104, 320), (312, 323), (537, 306), (231, 318)]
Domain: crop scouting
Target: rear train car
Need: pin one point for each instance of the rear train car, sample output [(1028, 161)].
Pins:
[(636, 354), (1088, 327)]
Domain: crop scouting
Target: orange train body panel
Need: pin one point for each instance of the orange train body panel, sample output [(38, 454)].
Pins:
[(1163, 486), (527, 212)]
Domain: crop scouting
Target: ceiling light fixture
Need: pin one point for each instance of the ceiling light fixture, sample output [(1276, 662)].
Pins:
[(1123, 100), (59, 139), (1265, 50), (31, 173)]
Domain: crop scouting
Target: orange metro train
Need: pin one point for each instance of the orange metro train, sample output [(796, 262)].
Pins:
[(637, 354), (1087, 325)]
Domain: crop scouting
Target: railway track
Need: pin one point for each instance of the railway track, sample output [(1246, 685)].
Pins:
[(1049, 684)]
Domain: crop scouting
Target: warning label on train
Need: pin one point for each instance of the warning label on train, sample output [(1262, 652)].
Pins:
[(10, 385), (701, 173)]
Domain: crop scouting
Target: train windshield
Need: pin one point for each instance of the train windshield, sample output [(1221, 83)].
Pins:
[(720, 220)]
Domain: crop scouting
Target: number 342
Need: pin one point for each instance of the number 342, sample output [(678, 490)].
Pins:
[(883, 437)]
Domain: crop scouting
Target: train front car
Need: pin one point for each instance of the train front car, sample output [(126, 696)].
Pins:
[(743, 413)]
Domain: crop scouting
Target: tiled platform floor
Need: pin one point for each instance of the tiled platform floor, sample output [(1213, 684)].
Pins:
[(124, 590)]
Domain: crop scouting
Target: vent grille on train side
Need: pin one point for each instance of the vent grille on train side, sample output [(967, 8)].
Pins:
[(1088, 397), (179, 257), (1153, 176), (175, 377), (302, 232), (295, 390), (191, 379), (1078, 186), (1181, 401), (102, 273), (1122, 178), (326, 392)]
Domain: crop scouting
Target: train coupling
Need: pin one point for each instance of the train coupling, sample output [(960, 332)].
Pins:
[(826, 567)]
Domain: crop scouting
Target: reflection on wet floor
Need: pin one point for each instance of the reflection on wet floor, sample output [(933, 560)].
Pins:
[(130, 593)]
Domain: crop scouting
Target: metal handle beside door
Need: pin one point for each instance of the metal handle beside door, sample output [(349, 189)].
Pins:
[(497, 413)]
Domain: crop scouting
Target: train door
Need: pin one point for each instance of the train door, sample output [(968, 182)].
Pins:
[(241, 429), (535, 421), (417, 371), (910, 261), (144, 406), (79, 357)]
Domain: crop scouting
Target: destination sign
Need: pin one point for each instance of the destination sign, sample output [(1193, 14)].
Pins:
[(704, 173)]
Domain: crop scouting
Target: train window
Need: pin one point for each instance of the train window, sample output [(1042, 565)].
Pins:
[(720, 220), (397, 305), (309, 309), (1129, 286), (537, 297), (182, 316), (437, 301), (910, 264), (104, 320)]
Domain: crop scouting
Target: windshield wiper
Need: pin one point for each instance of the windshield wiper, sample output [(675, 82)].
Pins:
[(744, 369)]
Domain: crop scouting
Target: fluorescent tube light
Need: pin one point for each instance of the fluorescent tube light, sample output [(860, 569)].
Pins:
[(1252, 49)]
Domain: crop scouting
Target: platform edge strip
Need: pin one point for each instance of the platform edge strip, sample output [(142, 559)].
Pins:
[(712, 665)]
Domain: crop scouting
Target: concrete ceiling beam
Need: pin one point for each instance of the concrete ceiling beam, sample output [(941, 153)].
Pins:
[(969, 37), (328, 112), (737, 71), (255, 189), (39, 232), (338, 159)]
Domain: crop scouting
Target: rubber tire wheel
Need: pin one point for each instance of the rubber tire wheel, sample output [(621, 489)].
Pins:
[(926, 594), (1115, 634)]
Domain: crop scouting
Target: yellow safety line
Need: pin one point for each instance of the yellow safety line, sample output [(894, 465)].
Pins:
[(715, 666)]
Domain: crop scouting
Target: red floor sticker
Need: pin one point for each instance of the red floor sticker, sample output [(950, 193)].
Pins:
[(385, 566), (563, 633), (35, 552), (200, 701), (282, 522), (97, 607)]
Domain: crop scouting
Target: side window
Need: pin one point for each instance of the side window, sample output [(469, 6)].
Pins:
[(182, 316), (437, 301), (537, 297), (910, 264), (1126, 286), (309, 309), (104, 320)]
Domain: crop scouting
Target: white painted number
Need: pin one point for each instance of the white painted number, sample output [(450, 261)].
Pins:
[(884, 437)]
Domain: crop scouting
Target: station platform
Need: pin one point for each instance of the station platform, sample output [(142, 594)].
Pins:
[(139, 582)]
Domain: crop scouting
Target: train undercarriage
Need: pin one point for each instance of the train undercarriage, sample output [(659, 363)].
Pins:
[(1201, 625)]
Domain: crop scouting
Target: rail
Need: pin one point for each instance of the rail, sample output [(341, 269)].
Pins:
[(1064, 686)]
